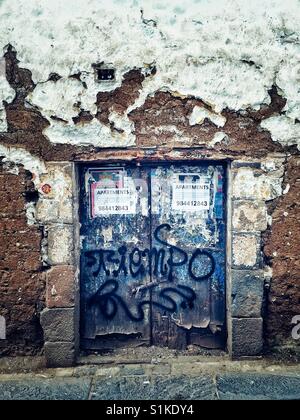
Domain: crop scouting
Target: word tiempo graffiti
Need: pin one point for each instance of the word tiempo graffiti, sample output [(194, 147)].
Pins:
[(161, 262)]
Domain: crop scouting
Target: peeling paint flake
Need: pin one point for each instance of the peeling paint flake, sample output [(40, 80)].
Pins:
[(200, 114)]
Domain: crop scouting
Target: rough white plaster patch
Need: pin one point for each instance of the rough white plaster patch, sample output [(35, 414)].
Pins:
[(218, 138), (63, 99), (125, 127), (19, 156), (3, 124), (93, 133), (227, 53), (283, 130), (200, 114), (6, 94), (30, 213), (287, 189), (288, 79)]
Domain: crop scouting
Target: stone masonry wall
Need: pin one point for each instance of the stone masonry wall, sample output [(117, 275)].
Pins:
[(183, 90), (282, 249), (21, 280)]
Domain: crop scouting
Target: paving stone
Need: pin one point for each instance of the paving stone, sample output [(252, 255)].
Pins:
[(242, 386), (226, 386), (159, 369), (45, 389), (107, 389), (184, 388), (133, 370), (155, 388), (108, 371)]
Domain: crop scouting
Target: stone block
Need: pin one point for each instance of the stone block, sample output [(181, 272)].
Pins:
[(249, 216), (251, 184), (247, 337), (246, 251), (60, 290), (60, 245), (247, 293), (46, 211), (54, 211), (58, 325), (59, 354), (57, 183)]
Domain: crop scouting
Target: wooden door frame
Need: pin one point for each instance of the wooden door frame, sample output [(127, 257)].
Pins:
[(153, 159)]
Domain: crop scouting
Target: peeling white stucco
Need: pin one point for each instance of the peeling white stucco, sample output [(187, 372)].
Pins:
[(73, 97), (219, 137), (200, 114), (18, 156), (93, 133), (7, 94), (228, 53), (283, 130)]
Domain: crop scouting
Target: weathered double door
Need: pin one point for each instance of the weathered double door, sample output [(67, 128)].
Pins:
[(153, 256)]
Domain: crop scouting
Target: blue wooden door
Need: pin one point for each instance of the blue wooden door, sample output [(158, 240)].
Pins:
[(153, 256), (187, 222)]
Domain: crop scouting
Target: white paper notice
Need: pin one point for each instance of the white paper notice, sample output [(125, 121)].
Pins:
[(106, 201), (188, 197)]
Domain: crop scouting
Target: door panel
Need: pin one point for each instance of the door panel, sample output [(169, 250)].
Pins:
[(115, 223), (187, 209)]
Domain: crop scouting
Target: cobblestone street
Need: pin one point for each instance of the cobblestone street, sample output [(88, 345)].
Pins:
[(176, 380)]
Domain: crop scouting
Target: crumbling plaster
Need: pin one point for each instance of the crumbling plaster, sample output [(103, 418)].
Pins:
[(227, 53), (199, 65), (7, 94)]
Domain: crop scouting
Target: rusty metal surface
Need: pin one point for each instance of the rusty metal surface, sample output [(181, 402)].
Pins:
[(155, 274)]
